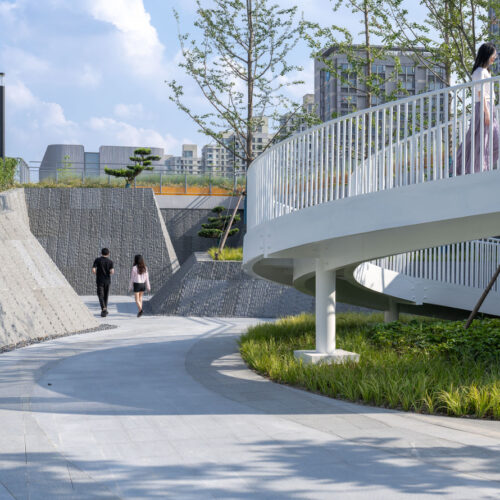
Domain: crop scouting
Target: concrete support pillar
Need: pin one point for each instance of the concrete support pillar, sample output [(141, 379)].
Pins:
[(325, 309), (326, 350), (392, 314)]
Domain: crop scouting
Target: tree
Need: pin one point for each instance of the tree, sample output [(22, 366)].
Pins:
[(359, 75), (450, 34), (142, 160), (240, 66), (216, 226)]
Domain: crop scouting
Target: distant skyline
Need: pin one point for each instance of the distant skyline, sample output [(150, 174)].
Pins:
[(92, 72)]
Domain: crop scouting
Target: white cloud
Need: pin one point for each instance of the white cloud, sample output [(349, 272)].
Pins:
[(42, 113), (138, 37), (7, 10), (120, 133), (89, 77), (129, 110)]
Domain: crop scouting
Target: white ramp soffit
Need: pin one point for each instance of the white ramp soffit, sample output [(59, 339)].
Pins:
[(389, 199)]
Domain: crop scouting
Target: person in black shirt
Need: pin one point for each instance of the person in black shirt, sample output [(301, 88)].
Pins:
[(103, 268)]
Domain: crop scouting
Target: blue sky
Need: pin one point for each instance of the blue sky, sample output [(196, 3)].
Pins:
[(92, 72)]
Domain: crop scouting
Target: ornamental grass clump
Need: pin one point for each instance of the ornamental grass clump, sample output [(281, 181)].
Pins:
[(415, 364)]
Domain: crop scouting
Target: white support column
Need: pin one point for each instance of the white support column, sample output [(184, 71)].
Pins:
[(325, 322), (325, 309), (392, 314)]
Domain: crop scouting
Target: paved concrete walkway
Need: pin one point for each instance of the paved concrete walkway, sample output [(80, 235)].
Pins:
[(165, 408)]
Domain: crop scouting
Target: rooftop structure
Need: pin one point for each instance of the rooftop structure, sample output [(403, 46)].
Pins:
[(63, 157)]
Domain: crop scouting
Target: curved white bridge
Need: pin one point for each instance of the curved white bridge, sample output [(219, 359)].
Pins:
[(380, 208)]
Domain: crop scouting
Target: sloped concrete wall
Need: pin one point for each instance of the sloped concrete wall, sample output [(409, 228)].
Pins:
[(203, 287), (35, 299), (74, 224)]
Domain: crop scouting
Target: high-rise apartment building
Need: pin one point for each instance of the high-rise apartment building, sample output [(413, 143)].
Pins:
[(291, 124), (337, 97), (217, 158), (189, 162)]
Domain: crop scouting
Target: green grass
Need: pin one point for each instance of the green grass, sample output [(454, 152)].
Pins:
[(70, 179), (421, 365), (228, 253)]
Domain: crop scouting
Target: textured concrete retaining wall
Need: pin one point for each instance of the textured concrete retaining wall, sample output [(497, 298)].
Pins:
[(35, 299), (183, 226), (74, 224), (203, 287)]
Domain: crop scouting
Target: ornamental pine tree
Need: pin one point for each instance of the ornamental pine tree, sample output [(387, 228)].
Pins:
[(216, 226), (142, 160)]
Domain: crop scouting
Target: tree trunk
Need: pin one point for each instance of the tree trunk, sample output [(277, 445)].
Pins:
[(250, 85), (366, 14)]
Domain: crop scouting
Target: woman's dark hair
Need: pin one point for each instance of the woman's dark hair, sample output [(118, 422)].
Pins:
[(139, 262), (483, 55)]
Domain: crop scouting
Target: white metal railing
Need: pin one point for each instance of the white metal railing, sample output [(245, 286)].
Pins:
[(470, 264), (417, 139)]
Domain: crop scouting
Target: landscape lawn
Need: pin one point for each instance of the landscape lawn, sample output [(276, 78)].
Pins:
[(415, 364), (228, 253)]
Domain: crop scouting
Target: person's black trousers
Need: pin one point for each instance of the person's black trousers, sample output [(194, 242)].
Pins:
[(103, 294)]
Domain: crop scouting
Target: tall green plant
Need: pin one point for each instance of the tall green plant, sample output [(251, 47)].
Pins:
[(451, 33), (7, 172), (360, 75), (142, 160), (240, 65)]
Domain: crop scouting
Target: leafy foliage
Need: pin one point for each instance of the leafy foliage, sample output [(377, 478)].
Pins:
[(7, 172), (216, 226), (241, 69), (480, 342), (142, 160), (428, 367), (361, 75), (450, 33)]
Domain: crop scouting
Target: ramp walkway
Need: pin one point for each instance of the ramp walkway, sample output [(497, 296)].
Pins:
[(383, 208)]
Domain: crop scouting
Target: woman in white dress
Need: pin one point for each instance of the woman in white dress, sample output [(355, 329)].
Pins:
[(486, 56)]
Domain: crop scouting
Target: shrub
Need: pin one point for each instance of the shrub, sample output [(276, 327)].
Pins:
[(7, 172), (227, 253)]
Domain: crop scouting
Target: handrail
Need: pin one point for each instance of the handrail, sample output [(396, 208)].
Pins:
[(470, 264), (408, 141)]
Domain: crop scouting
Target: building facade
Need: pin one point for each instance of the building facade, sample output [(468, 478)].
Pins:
[(340, 96), (189, 162), (219, 159), (288, 124), (59, 158)]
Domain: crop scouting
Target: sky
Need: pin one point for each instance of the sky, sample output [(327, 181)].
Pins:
[(93, 72)]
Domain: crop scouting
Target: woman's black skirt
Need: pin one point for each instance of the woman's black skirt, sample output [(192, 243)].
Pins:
[(139, 287)]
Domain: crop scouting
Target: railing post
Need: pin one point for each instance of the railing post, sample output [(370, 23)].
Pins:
[(185, 183), (161, 184)]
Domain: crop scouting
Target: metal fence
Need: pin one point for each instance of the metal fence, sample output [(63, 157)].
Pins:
[(162, 181), (423, 138), (470, 264), (417, 139)]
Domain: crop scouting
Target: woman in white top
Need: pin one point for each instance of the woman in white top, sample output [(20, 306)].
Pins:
[(139, 281), (486, 56)]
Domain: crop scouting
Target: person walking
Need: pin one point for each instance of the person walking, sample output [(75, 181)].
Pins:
[(103, 268), (486, 56), (139, 281)]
